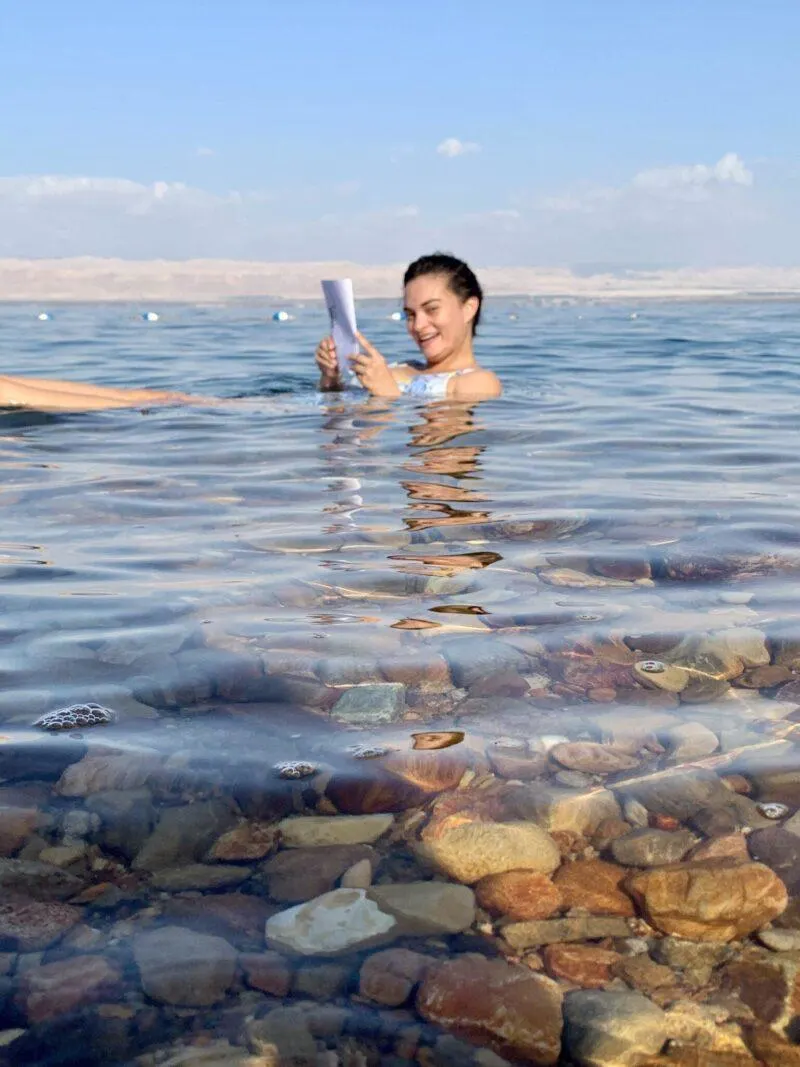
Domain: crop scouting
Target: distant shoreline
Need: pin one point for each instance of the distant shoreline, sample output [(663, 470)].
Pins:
[(90, 280)]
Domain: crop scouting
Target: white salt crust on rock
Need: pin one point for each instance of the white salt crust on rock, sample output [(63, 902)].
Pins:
[(337, 922)]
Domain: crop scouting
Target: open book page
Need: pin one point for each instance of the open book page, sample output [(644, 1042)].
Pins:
[(342, 310)]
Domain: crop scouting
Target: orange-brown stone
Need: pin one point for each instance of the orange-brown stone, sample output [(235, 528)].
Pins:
[(595, 886), (389, 977), (248, 841), (16, 826), (267, 971), (592, 758), (711, 901), (519, 895), (729, 846), (491, 1002), (57, 988), (587, 966)]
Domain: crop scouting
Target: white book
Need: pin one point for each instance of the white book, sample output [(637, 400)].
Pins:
[(341, 306)]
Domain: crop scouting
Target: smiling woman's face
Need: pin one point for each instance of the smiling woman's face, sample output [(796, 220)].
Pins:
[(436, 319)]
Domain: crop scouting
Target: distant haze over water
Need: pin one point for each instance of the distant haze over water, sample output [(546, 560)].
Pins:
[(93, 279)]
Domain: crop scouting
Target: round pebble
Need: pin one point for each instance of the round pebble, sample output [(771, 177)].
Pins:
[(652, 666), (295, 769), (76, 716), (367, 751), (773, 810)]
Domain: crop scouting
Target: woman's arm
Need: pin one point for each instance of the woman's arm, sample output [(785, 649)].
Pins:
[(45, 394)]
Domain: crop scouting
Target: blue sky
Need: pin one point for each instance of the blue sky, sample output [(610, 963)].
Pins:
[(517, 132)]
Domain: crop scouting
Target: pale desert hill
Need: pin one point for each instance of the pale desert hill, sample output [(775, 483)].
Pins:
[(89, 279)]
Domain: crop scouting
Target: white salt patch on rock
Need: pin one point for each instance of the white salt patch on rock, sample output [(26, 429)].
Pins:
[(337, 922)]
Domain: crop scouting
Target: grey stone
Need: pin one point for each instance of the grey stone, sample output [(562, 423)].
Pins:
[(37, 881), (696, 959), (297, 874), (184, 968), (184, 834), (679, 793), (537, 932), (127, 817), (284, 1036), (780, 940), (652, 848), (473, 658), (610, 1029), (322, 981), (426, 908), (366, 705), (199, 876)]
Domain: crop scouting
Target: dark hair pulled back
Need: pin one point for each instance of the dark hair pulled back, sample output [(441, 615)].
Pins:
[(460, 277)]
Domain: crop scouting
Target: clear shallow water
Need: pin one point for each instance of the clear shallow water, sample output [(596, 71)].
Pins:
[(220, 576)]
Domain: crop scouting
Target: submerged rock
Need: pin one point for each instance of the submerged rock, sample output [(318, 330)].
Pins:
[(371, 704), (710, 901), (519, 894), (55, 989), (591, 758), (652, 848), (491, 1002), (184, 968), (611, 1029), (389, 977), (426, 908), (37, 881), (297, 874), (341, 921), (32, 925), (314, 831), (471, 851), (594, 886)]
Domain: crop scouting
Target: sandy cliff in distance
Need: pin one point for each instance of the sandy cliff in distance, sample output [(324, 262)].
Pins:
[(202, 280)]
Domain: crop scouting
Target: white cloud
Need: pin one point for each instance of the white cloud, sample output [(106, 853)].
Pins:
[(203, 150), (452, 147), (697, 182), (713, 214), (730, 170)]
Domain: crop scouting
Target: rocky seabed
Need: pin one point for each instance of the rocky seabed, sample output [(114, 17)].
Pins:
[(481, 846)]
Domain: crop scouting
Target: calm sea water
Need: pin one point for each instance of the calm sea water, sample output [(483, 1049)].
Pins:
[(211, 573), (621, 427)]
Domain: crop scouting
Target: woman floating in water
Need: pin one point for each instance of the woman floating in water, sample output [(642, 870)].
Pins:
[(443, 306), (443, 301)]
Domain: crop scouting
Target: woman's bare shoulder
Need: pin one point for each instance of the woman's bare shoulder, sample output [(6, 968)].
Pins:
[(479, 384)]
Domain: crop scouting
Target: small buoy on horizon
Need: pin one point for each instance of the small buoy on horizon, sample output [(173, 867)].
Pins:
[(150, 316), (633, 315), (43, 316), (281, 316), (396, 316)]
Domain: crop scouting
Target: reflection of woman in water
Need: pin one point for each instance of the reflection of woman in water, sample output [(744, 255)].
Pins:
[(442, 299)]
